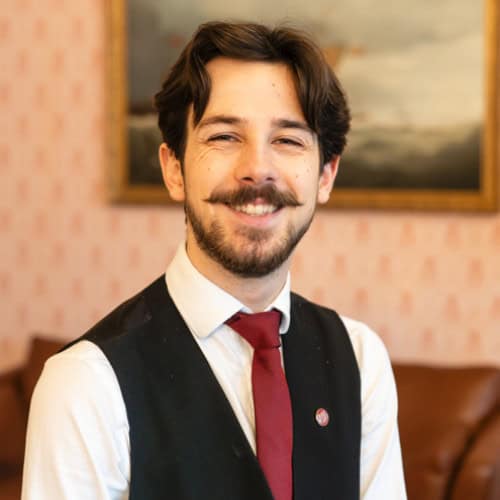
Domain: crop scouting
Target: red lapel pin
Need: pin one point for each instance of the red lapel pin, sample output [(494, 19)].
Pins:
[(322, 417)]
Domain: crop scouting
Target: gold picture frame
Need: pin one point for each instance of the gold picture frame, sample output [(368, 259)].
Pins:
[(481, 197)]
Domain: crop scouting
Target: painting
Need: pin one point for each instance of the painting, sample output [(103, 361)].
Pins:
[(421, 82)]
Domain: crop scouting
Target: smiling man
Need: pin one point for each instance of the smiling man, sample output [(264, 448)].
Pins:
[(216, 382)]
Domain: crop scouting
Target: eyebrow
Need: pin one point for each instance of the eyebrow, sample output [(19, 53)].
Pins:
[(224, 119), (284, 123), (234, 120)]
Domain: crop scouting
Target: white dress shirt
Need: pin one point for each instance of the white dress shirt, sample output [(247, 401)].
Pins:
[(78, 444)]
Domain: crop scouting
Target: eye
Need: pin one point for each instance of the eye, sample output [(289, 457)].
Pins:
[(289, 141), (222, 138)]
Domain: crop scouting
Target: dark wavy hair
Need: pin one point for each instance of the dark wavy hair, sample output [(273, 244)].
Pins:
[(319, 92)]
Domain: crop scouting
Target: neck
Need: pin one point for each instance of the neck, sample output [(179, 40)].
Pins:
[(254, 293)]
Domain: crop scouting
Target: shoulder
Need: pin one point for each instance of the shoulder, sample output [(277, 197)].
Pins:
[(367, 345), (81, 356), (77, 376), (369, 350)]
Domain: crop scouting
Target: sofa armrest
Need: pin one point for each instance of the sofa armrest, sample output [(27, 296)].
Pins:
[(479, 474)]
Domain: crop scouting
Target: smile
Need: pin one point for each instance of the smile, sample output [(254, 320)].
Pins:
[(255, 210)]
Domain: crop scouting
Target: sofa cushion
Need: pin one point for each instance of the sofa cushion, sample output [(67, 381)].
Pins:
[(439, 412), (12, 425)]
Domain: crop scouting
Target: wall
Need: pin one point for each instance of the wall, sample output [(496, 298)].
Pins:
[(428, 283)]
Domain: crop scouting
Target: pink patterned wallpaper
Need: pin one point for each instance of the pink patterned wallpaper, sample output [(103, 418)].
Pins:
[(428, 283)]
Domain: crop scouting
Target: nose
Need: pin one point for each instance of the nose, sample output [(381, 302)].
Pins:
[(256, 165)]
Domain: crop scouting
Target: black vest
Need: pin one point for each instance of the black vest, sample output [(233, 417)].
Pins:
[(186, 443)]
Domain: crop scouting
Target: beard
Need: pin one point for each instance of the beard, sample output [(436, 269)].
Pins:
[(250, 258)]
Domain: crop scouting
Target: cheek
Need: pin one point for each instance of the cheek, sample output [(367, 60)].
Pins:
[(304, 182), (199, 172)]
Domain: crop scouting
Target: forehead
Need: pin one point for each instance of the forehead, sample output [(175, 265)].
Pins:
[(252, 90)]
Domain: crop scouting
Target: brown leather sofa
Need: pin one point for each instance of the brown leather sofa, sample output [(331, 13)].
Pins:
[(449, 421)]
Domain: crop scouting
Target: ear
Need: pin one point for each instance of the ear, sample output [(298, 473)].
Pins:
[(327, 178), (172, 173)]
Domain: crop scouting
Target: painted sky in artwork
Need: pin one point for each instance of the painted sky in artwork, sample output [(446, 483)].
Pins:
[(426, 85), (403, 62)]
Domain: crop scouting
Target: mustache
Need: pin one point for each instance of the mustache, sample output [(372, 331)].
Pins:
[(269, 193)]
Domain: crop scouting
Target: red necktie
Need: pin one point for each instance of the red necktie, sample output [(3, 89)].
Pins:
[(273, 412)]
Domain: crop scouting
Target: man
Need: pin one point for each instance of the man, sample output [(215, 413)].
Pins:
[(180, 393)]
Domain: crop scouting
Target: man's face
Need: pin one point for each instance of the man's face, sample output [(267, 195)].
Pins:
[(251, 170)]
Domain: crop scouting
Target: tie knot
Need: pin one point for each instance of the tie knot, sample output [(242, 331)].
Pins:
[(261, 330)]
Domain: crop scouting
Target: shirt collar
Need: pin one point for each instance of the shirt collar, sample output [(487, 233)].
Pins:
[(203, 305)]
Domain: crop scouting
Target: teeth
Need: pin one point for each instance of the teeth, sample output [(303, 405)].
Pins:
[(255, 209)]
